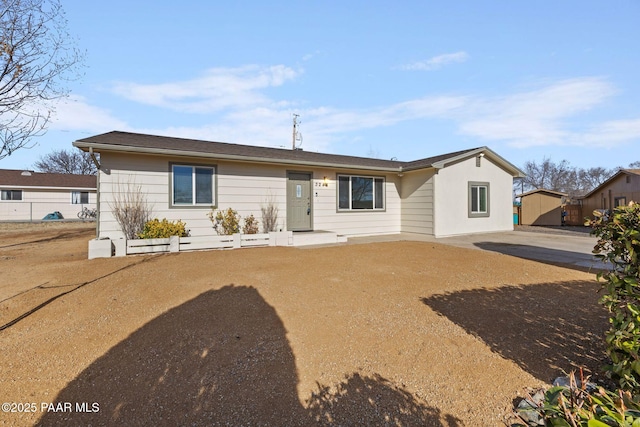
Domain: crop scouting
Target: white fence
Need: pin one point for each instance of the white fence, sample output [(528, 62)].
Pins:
[(178, 244), (35, 211), (105, 248)]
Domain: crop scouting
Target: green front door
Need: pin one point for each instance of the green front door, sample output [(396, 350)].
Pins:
[(299, 201)]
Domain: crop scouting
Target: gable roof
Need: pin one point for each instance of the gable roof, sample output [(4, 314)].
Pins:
[(24, 179), (151, 144), (611, 179), (544, 191)]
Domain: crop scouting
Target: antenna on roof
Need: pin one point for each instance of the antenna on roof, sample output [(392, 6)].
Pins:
[(297, 136)]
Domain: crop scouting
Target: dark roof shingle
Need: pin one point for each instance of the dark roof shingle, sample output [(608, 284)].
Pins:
[(123, 140), (22, 178)]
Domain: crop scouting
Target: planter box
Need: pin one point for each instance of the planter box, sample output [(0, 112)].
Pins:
[(100, 249)]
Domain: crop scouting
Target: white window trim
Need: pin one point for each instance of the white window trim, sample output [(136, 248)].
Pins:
[(350, 208), (193, 186), (80, 193), (477, 185)]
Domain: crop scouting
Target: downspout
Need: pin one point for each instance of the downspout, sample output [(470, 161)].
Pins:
[(98, 167), (402, 203), (93, 157)]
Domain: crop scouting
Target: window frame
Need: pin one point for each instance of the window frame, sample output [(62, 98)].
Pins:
[(470, 190), (11, 198), (375, 197), (193, 204), (616, 201), (80, 193)]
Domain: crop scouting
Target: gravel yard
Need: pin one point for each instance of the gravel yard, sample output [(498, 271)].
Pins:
[(395, 333)]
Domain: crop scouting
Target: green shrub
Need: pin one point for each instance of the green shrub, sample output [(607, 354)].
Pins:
[(250, 225), (225, 222), (619, 244), (156, 229), (578, 406)]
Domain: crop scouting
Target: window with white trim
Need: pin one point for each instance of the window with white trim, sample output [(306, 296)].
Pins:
[(360, 193), (192, 185), (79, 197), (478, 199), (11, 195)]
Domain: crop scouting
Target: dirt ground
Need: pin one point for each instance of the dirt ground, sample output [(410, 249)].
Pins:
[(398, 333)]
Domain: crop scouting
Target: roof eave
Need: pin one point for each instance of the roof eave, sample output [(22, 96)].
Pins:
[(44, 187), (250, 159), (605, 183), (515, 171)]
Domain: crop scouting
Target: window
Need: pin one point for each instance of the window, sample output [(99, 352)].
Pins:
[(192, 185), (11, 195), (620, 201), (79, 197), (360, 193), (478, 199)]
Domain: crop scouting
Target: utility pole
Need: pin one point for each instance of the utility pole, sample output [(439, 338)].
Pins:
[(295, 130)]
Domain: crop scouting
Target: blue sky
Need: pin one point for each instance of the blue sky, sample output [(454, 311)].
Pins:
[(404, 79)]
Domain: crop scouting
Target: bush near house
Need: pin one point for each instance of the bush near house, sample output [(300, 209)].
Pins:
[(156, 229), (228, 222), (250, 225), (225, 222), (618, 243)]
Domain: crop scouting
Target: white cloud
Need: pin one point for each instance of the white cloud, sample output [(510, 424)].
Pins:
[(320, 127), (337, 121), (436, 62), (610, 134), (218, 89), (242, 113), (536, 118), (75, 114)]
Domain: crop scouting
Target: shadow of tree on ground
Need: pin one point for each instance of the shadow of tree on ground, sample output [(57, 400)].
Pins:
[(372, 401), (223, 358), (534, 325)]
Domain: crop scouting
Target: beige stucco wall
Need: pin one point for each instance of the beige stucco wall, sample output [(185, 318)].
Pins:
[(451, 198), (244, 187), (541, 209)]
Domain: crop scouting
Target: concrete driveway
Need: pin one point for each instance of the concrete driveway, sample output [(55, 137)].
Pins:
[(566, 249)]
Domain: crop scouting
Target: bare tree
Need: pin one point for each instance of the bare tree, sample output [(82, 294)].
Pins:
[(549, 175), (74, 162), (269, 211), (634, 165), (36, 55), (593, 177), (130, 209), (561, 176)]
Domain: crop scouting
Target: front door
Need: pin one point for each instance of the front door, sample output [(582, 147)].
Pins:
[(299, 201)]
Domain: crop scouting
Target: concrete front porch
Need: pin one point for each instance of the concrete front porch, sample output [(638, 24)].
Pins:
[(317, 237)]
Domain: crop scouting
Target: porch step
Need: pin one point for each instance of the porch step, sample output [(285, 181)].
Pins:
[(305, 238)]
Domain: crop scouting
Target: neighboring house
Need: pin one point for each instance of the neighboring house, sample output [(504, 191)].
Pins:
[(28, 195), (619, 190), (541, 207), (464, 192)]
